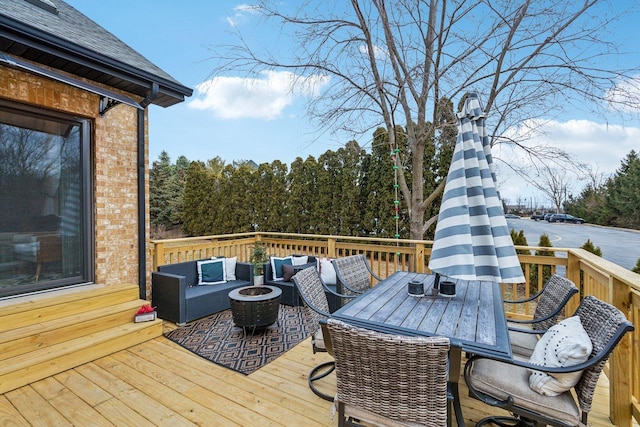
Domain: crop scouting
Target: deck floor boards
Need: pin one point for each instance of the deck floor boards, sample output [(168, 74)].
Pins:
[(158, 383)]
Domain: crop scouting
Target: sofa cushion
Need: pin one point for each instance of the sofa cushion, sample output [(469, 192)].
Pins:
[(276, 266), (211, 272), (230, 268), (300, 260), (564, 344), (288, 271), (327, 272)]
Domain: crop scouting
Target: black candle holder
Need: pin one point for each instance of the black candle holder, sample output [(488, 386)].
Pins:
[(447, 288), (415, 288)]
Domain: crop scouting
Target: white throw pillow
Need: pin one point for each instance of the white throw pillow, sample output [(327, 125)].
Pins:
[(327, 272), (300, 260), (564, 344), (230, 268)]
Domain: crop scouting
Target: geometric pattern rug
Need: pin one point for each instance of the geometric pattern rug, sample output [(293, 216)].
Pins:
[(217, 339)]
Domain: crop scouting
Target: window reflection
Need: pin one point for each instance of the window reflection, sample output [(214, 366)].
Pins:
[(41, 219)]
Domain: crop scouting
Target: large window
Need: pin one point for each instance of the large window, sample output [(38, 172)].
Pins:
[(45, 215)]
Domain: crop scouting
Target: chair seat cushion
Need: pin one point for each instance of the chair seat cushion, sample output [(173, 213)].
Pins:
[(522, 343), (501, 380), (318, 341)]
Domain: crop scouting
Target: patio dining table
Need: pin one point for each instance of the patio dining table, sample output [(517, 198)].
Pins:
[(473, 319)]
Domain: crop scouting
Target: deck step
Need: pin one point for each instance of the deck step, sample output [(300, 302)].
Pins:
[(42, 335), (40, 308)]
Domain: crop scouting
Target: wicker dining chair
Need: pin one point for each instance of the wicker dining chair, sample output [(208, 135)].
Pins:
[(506, 384), (389, 380), (353, 274), (316, 308), (550, 304)]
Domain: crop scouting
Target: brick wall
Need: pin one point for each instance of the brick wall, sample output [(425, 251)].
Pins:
[(115, 172)]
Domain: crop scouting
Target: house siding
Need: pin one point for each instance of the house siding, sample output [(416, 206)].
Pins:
[(115, 169)]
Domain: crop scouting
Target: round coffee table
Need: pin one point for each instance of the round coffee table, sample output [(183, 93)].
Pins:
[(255, 306)]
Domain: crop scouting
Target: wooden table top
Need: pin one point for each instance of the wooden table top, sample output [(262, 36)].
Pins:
[(473, 319)]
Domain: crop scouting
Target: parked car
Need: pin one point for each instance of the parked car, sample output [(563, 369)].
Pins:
[(565, 218), (537, 217), (547, 216), (511, 216)]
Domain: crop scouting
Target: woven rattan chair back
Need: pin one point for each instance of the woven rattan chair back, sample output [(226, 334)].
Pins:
[(601, 321), (553, 299), (315, 305), (353, 273), (387, 379)]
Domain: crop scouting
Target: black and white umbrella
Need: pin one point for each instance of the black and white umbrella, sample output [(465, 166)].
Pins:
[(472, 239)]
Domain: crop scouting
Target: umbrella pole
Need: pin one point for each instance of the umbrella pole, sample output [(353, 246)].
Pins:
[(436, 283)]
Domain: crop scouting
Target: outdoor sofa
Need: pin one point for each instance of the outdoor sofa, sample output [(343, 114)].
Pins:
[(179, 298)]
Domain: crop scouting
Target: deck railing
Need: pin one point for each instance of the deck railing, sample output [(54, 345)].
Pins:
[(592, 274)]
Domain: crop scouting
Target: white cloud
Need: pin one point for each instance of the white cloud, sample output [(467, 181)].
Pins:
[(625, 96), (258, 98), (240, 14), (600, 146), (379, 52)]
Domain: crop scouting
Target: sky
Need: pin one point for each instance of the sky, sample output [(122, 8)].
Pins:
[(263, 121)]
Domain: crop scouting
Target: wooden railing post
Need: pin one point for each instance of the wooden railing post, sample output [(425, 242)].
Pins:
[(573, 274), (331, 248), (158, 255), (620, 364), (419, 258)]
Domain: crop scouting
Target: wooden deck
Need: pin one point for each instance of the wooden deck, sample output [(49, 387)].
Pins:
[(158, 383)]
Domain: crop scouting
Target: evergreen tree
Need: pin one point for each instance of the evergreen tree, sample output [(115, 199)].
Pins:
[(622, 199), (237, 200), (179, 180), (349, 196), (544, 242), (636, 268), (438, 156), (590, 247), (272, 196), (379, 217), (303, 198), (327, 212), (161, 192), (519, 239), (200, 193), (588, 205)]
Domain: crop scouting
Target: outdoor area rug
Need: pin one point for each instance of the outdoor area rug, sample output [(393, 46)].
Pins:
[(215, 338)]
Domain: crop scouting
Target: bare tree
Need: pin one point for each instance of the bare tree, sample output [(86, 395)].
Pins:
[(390, 63), (595, 179), (554, 183)]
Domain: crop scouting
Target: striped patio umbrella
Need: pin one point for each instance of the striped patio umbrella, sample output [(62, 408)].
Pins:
[(472, 240)]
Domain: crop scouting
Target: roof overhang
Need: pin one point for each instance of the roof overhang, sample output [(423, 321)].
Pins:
[(28, 43), (108, 98)]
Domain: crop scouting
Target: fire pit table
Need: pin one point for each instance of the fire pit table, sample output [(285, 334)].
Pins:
[(255, 306)]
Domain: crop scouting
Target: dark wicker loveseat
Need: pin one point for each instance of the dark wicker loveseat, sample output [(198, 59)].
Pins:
[(178, 297), (290, 295)]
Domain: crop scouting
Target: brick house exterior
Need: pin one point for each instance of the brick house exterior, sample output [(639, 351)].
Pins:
[(81, 51)]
